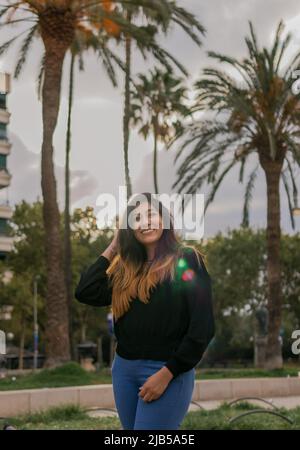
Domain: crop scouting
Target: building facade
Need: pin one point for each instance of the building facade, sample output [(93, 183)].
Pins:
[(6, 241)]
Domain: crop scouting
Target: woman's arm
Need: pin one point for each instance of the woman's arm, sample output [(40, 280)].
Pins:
[(201, 328), (93, 287)]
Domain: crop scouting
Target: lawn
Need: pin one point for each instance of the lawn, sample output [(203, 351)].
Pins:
[(72, 374), (74, 418)]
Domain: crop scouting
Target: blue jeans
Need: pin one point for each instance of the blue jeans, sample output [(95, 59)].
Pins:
[(164, 413)]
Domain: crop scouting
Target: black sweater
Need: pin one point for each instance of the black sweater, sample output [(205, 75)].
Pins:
[(175, 326)]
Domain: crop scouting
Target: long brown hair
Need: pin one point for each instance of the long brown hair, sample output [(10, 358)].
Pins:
[(129, 273)]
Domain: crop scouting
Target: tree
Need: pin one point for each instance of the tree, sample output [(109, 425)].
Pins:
[(158, 20), (87, 243), (290, 259), (19, 294), (56, 22), (259, 117), (25, 261), (84, 40), (158, 105)]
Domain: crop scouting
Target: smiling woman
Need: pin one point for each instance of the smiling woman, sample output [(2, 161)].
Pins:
[(160, 295), (148, 227)]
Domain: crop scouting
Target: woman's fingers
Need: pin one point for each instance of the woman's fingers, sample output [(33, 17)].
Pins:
[(147, 396)]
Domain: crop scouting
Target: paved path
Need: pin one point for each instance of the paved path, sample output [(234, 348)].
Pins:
[(281, 402)]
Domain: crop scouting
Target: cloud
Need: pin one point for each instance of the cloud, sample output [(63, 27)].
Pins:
[(24, 165), (97, 141)]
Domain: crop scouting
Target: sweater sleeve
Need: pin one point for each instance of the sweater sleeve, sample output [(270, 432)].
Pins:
[(201, 329), (93, 288)]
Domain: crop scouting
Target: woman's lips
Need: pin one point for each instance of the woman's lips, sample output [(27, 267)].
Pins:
[(147, 231)]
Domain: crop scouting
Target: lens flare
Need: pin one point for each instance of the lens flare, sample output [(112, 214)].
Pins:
[(188, 275)]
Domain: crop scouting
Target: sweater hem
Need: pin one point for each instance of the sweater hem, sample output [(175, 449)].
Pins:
[(151, 353)]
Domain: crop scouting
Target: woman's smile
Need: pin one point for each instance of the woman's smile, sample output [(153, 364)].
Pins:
[(148, 224), (147, 231)]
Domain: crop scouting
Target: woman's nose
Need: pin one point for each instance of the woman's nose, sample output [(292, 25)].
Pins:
[(145, 224)]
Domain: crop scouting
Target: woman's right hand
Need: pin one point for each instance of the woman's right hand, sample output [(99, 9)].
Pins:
[(111, 250)]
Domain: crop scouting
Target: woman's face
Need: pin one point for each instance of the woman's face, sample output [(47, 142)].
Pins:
[(148, 226)]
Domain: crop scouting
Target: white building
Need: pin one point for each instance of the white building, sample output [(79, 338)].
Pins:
[(6, 242)]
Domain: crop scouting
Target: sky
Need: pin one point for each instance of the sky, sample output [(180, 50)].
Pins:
[(97, 141)]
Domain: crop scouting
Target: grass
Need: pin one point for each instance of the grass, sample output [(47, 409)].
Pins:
[(205, 374), (75, 418), (72, 374), (62, 418), (218, 419)]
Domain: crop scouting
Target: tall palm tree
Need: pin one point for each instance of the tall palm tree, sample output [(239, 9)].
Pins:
[(67, 225), (157, 20), (56, 22), (256, 115), (84, 40), (157, 106)]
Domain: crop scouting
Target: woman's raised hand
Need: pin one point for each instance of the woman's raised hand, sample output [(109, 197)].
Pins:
[(111, 250)]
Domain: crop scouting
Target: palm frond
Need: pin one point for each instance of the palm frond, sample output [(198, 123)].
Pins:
[(40, 77), (242, 170), (24, 50), (287, 190), (242, 68), (107, 63), (217, 183), (163, 56), (248, 196), (189, 31), (4, 47), (292, 178), (187, 18)]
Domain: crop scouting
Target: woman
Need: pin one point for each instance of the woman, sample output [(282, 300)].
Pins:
[(160, 296)]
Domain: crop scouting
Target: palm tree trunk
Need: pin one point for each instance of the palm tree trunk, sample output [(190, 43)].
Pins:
[(56, 332), (155, 160), (273, 232), (126, 117), (67, 229)]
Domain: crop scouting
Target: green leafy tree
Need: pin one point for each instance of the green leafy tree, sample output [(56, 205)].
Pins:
[(291, 276), (25, 262), (18, 293), (88, 242)]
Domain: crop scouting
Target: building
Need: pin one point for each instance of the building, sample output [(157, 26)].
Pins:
[(6, 242)]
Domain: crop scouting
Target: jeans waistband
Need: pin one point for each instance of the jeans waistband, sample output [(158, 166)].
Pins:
[(137, 360)]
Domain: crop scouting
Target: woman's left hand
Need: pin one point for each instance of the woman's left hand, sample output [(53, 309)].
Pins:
[(155, 385)]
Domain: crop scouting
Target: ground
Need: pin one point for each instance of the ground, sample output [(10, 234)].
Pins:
[(208, 418)]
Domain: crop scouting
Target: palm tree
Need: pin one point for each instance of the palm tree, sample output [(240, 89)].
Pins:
[(84, 39), (67, 226), (157, 106), (258, 115), (158, 20), (56, 22)]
